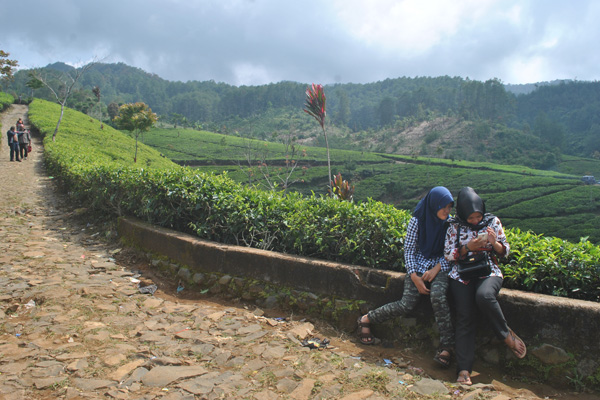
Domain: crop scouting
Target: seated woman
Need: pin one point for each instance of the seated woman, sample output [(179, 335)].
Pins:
[(427, 270), (473, 231)]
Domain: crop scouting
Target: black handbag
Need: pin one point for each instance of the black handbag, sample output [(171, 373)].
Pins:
[(474, 266)]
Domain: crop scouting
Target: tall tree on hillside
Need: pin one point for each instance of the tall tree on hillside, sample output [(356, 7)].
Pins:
[(34, 85), (96, 91), (342, 115), (315, 105), (60, 83), (6, 66), (136, 118), (386, 111), (113, 110)]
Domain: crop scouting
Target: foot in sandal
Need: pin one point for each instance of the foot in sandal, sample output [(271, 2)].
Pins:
[(515, 344), (364, 330), (443, 356), (464, 378)]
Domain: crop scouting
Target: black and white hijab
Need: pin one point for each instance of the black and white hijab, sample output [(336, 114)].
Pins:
[(468, 202)]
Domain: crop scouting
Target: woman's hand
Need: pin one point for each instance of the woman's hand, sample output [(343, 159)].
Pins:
[(492, 237), (419, 283), (476, 243), (430, 274)]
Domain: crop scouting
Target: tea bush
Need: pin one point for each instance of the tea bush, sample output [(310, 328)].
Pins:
[(96, 165), (5, 100)]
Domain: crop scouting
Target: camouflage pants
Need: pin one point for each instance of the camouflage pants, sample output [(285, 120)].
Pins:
[(410, 299)]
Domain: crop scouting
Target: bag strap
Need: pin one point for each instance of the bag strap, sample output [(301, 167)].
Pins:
[(458, 235)]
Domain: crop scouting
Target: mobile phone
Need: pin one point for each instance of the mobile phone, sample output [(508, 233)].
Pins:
[(482, 235)]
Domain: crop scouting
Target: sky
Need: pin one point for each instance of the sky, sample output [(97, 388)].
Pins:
[(256, 42)]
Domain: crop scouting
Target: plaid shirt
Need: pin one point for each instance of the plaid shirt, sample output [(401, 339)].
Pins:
[(414, 260)]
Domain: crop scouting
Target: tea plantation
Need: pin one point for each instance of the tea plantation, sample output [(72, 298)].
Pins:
[(95, 165), (545, 202)]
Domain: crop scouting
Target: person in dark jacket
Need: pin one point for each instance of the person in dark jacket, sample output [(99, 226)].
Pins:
[(13, 143)]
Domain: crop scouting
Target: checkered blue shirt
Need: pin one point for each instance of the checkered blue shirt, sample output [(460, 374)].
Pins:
[(414, 260)]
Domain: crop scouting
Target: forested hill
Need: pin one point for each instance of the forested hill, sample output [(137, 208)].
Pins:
[(484, 116)]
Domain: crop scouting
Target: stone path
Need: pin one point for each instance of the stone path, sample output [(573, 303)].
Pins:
[(75, 325)]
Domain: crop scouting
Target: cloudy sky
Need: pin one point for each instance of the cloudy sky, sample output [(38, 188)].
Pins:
[(253, 42)]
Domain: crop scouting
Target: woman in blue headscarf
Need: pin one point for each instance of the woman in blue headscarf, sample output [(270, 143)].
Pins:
[(427, 269)]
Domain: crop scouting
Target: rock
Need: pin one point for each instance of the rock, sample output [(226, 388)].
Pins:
[(135, 376), (198, 386), (302, 331), (92, 384), (473, 395), (124, 370), (549, 354), (184, 274), (44, 383), (490, 355), (224, 280), (303, 390), (363, 394), (587, 367), (286, 385), (114, 359), (162, 376), (197, 278), (77, 365), (429, 387)]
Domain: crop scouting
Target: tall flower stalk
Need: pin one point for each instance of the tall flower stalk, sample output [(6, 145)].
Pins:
[(315, 105)]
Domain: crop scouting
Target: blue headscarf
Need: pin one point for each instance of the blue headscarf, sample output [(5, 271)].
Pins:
[(432, 230)]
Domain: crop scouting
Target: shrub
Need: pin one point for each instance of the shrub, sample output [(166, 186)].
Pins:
[(96, 166), (5, 100)]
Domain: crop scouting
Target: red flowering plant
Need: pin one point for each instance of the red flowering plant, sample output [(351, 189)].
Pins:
[(342, 188), (315, 105)]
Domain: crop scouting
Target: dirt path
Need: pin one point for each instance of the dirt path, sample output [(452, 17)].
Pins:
[(74, 325)]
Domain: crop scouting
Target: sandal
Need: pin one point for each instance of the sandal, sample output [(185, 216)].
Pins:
[(365, 338), (517, 342), (464, 378), (443, 359)]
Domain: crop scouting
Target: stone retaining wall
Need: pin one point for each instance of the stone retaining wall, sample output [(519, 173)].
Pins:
[(562, 334)]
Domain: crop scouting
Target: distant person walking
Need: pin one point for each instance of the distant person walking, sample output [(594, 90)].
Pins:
[(474, 232), (24, 141), (426, 272), (20, 125), (13, 143)]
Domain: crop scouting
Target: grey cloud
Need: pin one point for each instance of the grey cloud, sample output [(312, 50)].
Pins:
[(289, 40)]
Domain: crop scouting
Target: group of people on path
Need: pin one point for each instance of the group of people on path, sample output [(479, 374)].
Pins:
[(434, 249), (19, 141)]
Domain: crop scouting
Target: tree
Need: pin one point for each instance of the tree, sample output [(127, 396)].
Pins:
[(60, 83), (136, 118), (34, 85), (7, 66), (315, 105), (386, 111), (113, 110), (96, 91), (342, 116)]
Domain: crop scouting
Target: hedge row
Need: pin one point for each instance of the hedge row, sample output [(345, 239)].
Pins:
[(5, 100), (214, 207)]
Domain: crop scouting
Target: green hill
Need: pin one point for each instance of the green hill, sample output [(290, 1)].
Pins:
[(461, 118)]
